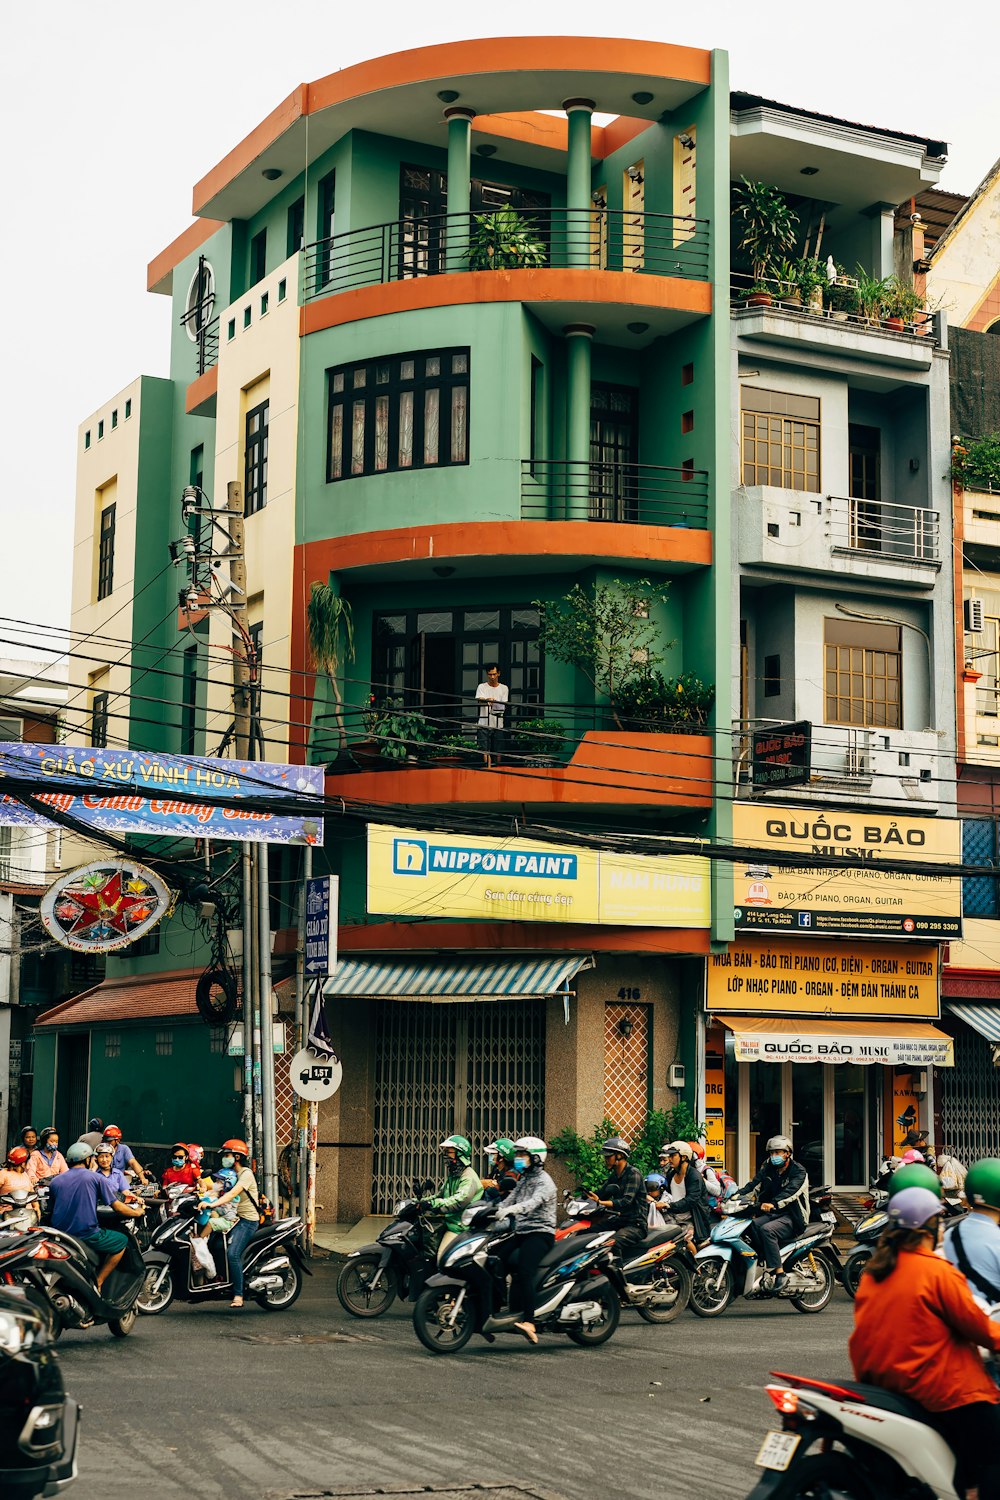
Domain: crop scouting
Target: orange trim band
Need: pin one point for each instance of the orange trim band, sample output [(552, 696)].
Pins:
[(202, 390), (195, 235), (548, 284), (451, 937)]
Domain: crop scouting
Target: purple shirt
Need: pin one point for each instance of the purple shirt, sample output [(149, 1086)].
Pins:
[(73, 1200)]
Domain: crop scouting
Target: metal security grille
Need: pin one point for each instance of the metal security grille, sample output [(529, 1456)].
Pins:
[(478, 1069), (970, 1099), (626, 1066)]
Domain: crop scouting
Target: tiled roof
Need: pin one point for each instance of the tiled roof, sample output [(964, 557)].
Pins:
[(136, 998)]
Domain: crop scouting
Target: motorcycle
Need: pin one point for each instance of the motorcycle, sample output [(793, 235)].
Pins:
[(656, 1279), (396, 1265), (469, 1293), (852, 1441), (729, 1266), (19, 1210), (273, 1264), (62, 1269)]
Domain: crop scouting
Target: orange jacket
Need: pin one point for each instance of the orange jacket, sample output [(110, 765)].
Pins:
[(915, 1333)]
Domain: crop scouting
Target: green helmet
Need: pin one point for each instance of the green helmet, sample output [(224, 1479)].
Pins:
[(982, 1183), (463, 1148), (914, 1176), (503, 1148), (78, 1152)]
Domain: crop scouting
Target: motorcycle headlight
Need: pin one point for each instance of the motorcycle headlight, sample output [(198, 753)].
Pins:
[(466, 1248), (19, 1330)]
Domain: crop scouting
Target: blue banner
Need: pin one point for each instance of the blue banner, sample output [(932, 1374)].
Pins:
[(142, 792), (321, 925)]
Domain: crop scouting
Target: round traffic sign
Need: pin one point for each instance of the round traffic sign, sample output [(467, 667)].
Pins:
[(315, 1077)]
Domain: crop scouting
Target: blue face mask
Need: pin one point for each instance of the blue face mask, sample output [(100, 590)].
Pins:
[(777, 1160), (228, 1161), (521, 1163), (178, 1161)]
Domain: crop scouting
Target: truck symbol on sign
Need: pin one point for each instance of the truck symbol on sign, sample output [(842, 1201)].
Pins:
[(317, 1073)]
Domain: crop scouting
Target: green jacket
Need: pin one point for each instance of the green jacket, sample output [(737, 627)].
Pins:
[(456, 1194)]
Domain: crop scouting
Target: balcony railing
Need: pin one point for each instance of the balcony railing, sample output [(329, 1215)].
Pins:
[(596, 239), (887, 529), (206, 340), (643, 494), (832, 306)]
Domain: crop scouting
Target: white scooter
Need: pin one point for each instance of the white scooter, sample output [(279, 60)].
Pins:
[(851, 1442)]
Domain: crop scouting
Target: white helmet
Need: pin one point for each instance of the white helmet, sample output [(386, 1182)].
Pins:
[(681, 1148), (780, 1143), (536, 1149)]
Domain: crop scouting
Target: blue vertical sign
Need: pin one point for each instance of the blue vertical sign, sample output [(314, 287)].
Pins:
[(322, 905)]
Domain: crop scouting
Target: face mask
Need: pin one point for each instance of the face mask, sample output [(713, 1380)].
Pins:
[(777, 1160), (178, 1161), (522, 1163), (228, 1161)]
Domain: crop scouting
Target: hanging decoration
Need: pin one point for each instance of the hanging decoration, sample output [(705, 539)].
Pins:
[(104, 906)]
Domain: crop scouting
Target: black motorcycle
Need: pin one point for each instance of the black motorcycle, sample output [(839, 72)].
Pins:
[(469, 1294), (273, 1264), (397, 1264), (63, 1269), (38, 1432), (869, 1229)]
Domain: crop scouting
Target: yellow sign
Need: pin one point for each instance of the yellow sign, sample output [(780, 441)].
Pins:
[(860, 900), (824, 979), (413, 874)]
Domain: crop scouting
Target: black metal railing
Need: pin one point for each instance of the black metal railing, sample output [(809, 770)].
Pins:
[(206, 340), (837, 302), (596, 239), (644, 494)]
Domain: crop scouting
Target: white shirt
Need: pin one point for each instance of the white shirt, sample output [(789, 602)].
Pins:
[(492, 704)]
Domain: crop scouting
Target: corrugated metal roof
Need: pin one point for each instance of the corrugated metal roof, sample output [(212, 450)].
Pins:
[(524, 977), (982, 1018)]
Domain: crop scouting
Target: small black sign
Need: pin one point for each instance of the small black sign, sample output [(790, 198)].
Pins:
[(781, 755)]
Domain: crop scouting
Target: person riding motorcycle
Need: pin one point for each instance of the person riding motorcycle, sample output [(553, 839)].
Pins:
[(782, 1211), (916, 1332), (14, 1176), (503, 1178), (73, 1199), (624, 1193), (974, 1244), (460, 1188), (686, 1196), (532, 1206)]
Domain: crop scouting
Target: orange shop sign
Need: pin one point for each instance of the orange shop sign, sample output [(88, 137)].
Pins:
[(813, 978)]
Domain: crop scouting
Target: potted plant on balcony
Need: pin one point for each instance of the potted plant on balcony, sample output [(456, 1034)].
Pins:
[(902, 303), (400, 732), (666, 705), (330, 631), (537, 742), (503, 241), (812, 280), (767, 227), (842, 295)]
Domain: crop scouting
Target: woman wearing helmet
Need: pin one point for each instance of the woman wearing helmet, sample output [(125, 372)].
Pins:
[(502, 1178), (974, 1244), (532, 1206), (782, 1212), (46, 1160), (246, 1195), (460, 1187), (124, 1159), (14, 1175), (687, 1196), (916, 1332)]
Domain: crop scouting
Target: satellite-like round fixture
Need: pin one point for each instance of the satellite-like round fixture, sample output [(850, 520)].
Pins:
[(809, 171), (643, 97), (486, 151), (448, 96), (272, 173), (637, 327)]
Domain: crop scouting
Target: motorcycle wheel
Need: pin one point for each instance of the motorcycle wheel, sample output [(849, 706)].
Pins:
[(592, 1334), (429, 1313), (819, 1476), (814, 1302), (277, 1298), (669, 1276), (354, 1287), (150, 1302), (707, 1300), (853, 1269), (122, 1327)]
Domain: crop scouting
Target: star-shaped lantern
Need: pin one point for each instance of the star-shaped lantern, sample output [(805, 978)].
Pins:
[(104, 905)]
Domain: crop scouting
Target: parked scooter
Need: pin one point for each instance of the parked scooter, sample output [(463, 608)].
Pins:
[(852, 1441), (273, 1264), (396, 1265), (19, 1210), (656, 1279), (469, 1294), (63, 1269), (729, 1266)]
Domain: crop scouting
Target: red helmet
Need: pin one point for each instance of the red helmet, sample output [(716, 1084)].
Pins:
[(17, 1156), (235, 1145), (697, 1150), (112, 1133), (195, 1152)]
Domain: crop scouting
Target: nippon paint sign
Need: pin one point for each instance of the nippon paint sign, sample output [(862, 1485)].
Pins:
[(411, 873)]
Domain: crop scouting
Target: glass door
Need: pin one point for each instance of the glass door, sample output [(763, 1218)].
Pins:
[(823, 1108), (808, 1132), (850, 1119)]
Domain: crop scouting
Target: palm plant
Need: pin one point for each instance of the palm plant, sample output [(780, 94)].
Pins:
[(330, 627), (503, 241), (768, 226)]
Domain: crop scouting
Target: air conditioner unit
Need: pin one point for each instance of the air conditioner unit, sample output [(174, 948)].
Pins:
[(974, 616)]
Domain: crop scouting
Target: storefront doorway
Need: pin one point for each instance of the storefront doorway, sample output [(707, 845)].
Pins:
[(830, 1112)]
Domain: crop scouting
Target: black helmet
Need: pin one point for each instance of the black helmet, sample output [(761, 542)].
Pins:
[(615, 1146)]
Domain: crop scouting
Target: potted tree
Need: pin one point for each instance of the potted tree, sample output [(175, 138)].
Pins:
[(330, 630), (767, 226), (811, 279), (503, 241), (652, 703), (902, 303)]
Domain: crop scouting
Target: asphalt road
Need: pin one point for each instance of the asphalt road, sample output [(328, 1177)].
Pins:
[(210, 1403)]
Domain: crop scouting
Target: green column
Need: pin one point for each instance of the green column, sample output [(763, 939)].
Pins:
[(578, 342), (459, 146), (578, 204)]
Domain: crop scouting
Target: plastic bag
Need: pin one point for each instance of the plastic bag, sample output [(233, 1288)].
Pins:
[(203, 1255)]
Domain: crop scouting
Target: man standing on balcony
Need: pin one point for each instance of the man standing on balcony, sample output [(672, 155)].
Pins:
[(491, 696)]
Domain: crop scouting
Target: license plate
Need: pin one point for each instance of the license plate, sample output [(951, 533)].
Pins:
[(829, 1218), (777, 1450)]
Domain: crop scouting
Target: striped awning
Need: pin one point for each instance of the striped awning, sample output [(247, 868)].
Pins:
[(982, 1018), (521, 978)]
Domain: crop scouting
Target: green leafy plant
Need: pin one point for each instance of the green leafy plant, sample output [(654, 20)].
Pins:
[(398, 731), (976, 464), (767, 226), (582, 1153), (330, 630), (901, 300), (650, 701), (538, 737), (503, 241), (605, 632), (872, 295), (811, 277), (842, 295)]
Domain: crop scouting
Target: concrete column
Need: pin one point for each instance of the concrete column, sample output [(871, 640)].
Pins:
[(459, 148), (578, 203), (882, 216), (578, 343)]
